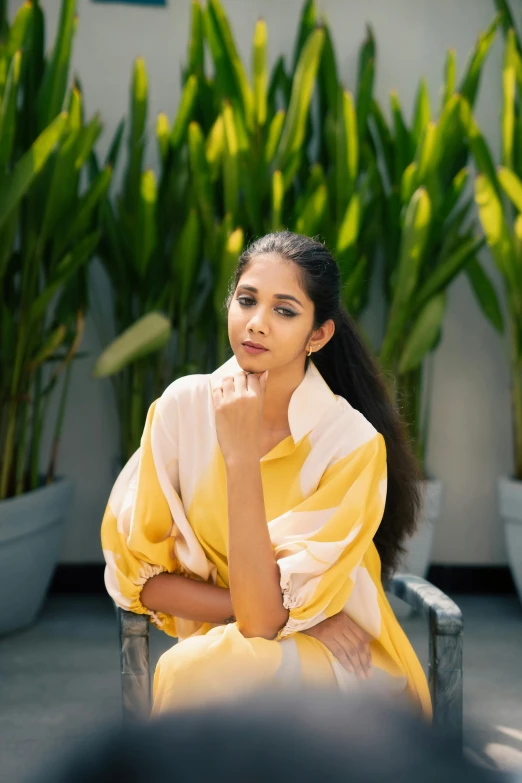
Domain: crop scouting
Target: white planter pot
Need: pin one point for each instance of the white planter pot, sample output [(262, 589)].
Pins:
[(510, 507), (31, 528), (417, 557), (418, 547)]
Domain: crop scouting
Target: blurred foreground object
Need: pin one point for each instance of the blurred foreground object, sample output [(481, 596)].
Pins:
[(312, 736)]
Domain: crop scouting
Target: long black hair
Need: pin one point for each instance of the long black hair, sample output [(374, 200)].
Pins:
[(351, 371)]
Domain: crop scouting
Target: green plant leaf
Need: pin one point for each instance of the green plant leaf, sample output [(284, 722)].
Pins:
[(231, 252), (54, 83), (231, 164), (351, 291), (50, 345), (307, 24), (162, 136), (87, 137), (185, 258), (509, 85), (403, 141), (196, 53), (414, 236), (469, 83), (485, 294), (201, 177), (365, 80), (215, 146), (347, 151), (498, 237), (280, 85), (293, 133), (479, 147), (349, 228), (385, 142), (425, 157), (447, 269), (274, 136), (507, 20), (29, 165), (313, 211), (409, 182), (421, 111), (424, 334), (511, 185), (148, 335), (222, 44), (8, 111), (327, 77), (185, 112), (114, 150), (78, 223), (277, 200), (68, 266), (450, 78), (137, 135), (147, 233), (259, 70)]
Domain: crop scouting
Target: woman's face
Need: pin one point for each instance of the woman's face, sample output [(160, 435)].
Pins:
[(277, 315)]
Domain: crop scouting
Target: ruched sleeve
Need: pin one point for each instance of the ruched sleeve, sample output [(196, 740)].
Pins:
[(144, 526), (319, 545)]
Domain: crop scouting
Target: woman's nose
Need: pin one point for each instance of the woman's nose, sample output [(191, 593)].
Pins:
[(257, 323)]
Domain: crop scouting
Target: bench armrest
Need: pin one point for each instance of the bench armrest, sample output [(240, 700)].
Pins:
[(135, 675), (445, 627)]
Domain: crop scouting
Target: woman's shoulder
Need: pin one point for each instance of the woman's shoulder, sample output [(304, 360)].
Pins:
[(188, 390), (348, 428)]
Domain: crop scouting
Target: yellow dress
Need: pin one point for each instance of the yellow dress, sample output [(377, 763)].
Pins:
[(324, 489)]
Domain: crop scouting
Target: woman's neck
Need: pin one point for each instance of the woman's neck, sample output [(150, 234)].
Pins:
[(280, 386)]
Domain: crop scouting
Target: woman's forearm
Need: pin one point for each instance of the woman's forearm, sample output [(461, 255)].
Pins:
[(254, 575), (183, 597)]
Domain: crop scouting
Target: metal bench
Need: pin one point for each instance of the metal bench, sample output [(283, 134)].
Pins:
[(445, 626)]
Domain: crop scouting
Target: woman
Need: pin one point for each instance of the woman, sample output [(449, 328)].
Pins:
[(251, 523)]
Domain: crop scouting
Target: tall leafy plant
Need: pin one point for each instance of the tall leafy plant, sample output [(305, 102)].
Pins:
[(428, 236), (46, 237), (151, 247), (498, 194)]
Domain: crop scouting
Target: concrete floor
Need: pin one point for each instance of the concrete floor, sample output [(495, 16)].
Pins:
[(59, 680)]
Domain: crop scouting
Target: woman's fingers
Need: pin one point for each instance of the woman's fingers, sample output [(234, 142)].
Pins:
[(361, 651), (357, 655), (349, 624), (340, 654), (358, 641)]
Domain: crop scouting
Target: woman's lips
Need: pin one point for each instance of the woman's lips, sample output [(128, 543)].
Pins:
[(251, 349)]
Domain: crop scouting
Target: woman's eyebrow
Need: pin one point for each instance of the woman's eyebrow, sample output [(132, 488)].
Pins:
[(276, 296)]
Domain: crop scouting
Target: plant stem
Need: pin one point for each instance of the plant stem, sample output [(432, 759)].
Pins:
[(516, 398), (59, 424), (22, 445), (7, 456), (37, 426)]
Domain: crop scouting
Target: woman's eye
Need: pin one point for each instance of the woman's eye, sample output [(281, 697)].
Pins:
[(247, 301)]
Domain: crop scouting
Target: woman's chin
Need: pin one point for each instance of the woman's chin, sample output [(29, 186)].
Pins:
[(255, 364)]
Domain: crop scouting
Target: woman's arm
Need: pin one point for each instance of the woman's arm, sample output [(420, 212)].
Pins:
[(254, 576), (180, 596)]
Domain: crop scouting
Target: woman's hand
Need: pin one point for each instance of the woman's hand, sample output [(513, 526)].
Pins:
[(238, 405), (346, 641)]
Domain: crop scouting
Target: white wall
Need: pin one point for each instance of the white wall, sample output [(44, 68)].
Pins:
[(471, 440)]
